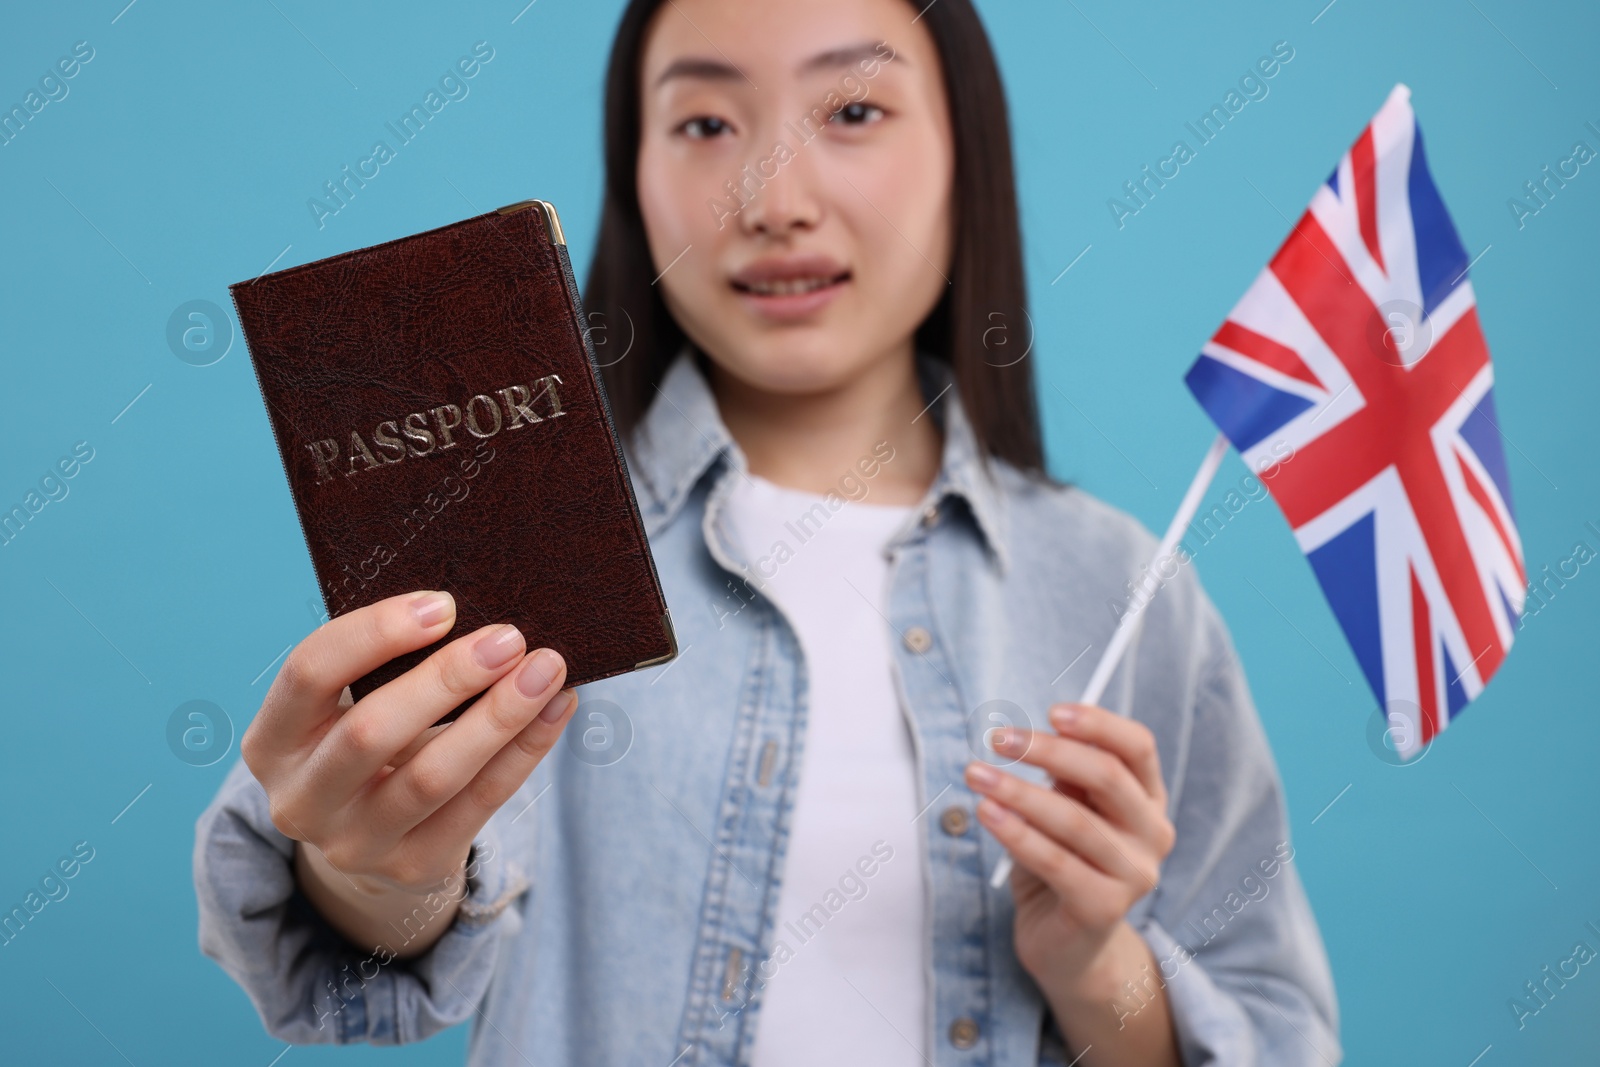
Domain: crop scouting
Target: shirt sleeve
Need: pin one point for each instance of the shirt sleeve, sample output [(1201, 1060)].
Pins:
[(307, 983), (1238, 950)]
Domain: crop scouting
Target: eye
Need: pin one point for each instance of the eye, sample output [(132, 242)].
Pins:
[(858, 114), (704, 127)]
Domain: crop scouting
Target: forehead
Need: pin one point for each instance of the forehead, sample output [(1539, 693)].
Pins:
[(694, 41)]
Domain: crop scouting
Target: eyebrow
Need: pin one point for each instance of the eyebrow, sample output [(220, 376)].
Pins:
[(722, 70), (847, 56), (709, 69)]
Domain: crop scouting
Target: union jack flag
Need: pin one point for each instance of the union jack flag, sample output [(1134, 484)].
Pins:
[(1354, 378)]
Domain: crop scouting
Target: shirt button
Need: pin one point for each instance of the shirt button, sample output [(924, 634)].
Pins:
[(918, 639), (964, 1033), (954, 821), (930, 514)]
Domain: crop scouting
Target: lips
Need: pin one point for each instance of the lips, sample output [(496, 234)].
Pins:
[(789, 276), (787, 286)]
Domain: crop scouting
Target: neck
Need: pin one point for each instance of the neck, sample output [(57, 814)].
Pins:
[(808, 441)]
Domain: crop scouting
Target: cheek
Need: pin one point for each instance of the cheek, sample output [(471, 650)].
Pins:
[(673, 202), (903, 216), (665, 198), (911, 183), (682, 203)]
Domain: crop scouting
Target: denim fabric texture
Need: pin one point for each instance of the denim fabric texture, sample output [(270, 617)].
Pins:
[(620, 909)]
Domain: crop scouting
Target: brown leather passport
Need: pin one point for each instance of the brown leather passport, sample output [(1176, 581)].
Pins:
[(442, 426)]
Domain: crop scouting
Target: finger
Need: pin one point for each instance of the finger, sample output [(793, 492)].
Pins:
[(416, 745), (1085, 893), (318, 669), (446, 764), (1067, 822), (1131, 741), (464, 815), (1107, 782), (382, 724)]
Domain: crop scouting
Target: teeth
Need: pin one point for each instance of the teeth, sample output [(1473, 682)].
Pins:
[(788, 286)]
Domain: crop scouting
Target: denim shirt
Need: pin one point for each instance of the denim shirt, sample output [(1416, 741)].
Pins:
[(620, 907)]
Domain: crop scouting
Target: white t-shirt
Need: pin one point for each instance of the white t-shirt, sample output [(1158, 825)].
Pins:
[(852, 905)]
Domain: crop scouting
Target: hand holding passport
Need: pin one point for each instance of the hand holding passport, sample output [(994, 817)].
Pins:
[(451, 455), (442, 426)]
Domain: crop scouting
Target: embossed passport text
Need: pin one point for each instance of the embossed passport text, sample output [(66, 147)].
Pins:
[(442, 426)]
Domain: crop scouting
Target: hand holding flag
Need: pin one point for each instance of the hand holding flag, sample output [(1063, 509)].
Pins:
[(1357, 353)]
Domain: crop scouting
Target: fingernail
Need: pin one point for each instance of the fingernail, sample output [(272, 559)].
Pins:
[(982, 775), (430, 609), (1063, 715), (992, 813), (535, 676), (495, 648), (558, 706)]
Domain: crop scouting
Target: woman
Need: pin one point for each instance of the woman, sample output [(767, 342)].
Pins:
[(764, 852)]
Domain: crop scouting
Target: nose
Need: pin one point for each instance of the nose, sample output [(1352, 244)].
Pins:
[(782, 196)]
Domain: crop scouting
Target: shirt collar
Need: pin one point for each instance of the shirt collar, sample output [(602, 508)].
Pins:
[(682, 436)]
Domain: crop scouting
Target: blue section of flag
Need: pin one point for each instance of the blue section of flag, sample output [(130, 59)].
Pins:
[(1246, 409), (1455, 696), (1511, 612), (1441, 261), (1481, 432), (1333, 181), (1347, 567)]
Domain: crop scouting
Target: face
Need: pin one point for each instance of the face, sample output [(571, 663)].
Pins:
[(795, 175)]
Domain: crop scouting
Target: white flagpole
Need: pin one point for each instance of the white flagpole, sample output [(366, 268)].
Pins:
[(1129, 622)]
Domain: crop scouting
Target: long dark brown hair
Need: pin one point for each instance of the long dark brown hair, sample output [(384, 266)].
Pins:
[(985, 303)]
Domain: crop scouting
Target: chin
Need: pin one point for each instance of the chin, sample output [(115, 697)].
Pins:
[(790, 361)]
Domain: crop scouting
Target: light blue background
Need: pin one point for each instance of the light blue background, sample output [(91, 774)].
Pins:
[(182, 161)]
